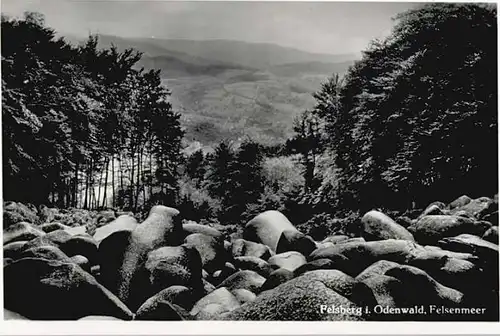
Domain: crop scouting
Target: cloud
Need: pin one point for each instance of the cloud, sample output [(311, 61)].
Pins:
[(328, 27)]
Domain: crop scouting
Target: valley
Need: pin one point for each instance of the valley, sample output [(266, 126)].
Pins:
[(232, 90)]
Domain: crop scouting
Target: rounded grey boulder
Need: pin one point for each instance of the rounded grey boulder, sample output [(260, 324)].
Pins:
[(244, 248), (430, 229), (254, 264), (302, 299), (245, 279), (159, 229), (289, 260), (57, 290), (293, 240), (123, 222), (267, 227), (378, 226), (211, 249), (21, 232)]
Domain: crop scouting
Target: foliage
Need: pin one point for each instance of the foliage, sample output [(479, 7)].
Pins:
[(71, 115), (413, 121), (416, 114), (323, 225)]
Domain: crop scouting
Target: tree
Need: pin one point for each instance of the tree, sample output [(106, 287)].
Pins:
[(396, 127), (70, 113), (309, 143), (220, 174), (195, 165)]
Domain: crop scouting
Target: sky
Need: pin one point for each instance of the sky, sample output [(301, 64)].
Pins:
[(321, 27)]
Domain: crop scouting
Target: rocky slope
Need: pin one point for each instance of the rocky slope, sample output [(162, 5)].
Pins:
[(441, 265)]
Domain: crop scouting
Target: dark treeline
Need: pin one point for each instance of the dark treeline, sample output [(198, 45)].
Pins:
[(73, 116), (414, 121)]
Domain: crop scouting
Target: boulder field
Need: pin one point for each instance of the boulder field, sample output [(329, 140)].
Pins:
[(439, 265)]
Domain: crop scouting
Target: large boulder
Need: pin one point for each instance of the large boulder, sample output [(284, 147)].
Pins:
[(460, 202), (376, 269), (81, 261), (53, 290), (211, 249), (159, 229), (219, 301), (289, 260), (111, 254), (104, 217), (478, 207), (335, 239), (378, 226), (430, 229), (267, 228), (353, 258), (276, 278), (425, 290), (309, 298), (313, 265), (180, 295), (22, 231), (54, 238), (45, 252), (54, 226), (243, 295), (161, 307), (467, 243), (293, 240), (433, 209), (14, 213), (81, 245), (244, 248), (245, 279), (47, 214), (491, 235), (122, 223), (77, 230), (420, 289), (192, 227), (10, 315), (14, 250), (388, 292), (254, 264), (165, 267), (486, 252)]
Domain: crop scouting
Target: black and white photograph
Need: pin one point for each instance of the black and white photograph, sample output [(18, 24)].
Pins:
[(249, 161)]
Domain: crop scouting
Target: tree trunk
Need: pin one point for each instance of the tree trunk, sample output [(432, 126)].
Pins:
[(99, 184), (144, 183), (151, 170), (85, 202), (94, 205), (120, 169), (113, 204), (138, 183), (75, 186), (131, 191), (105, 184), (90, 183)]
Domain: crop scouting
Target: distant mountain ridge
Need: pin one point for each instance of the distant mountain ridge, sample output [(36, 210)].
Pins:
[(254, 55), (230, 89)]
